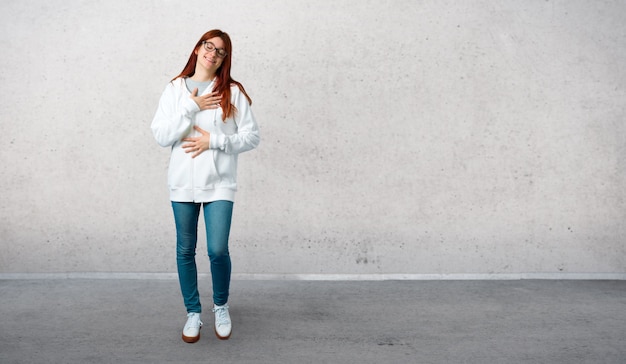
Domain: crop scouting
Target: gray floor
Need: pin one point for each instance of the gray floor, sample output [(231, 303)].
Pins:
[(140, 321)]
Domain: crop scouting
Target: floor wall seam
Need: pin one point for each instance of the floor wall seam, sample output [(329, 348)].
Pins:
[(325, 277)]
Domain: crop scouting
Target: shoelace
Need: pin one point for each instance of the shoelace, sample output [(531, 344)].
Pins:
[(221, 317), (193, 322)]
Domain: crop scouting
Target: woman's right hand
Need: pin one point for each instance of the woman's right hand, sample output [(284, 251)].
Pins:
[(205, 102)]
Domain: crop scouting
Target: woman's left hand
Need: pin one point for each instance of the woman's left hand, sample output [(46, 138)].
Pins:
[(197, 145)]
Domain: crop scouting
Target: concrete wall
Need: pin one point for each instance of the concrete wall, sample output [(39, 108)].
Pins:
[(398, 137)]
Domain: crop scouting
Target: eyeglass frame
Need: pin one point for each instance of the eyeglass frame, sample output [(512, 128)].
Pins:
[(205, 44)]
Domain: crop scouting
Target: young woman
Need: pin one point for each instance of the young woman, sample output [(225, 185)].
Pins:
[(205, 117)]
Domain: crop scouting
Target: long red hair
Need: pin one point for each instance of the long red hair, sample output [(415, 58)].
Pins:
[(223, 79)]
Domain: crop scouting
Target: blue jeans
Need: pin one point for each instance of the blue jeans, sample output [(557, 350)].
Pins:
[(217, 218)]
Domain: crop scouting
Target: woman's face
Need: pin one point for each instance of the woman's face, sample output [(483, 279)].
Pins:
[(209, 54)]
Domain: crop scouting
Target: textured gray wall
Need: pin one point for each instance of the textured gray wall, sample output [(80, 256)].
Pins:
[(398, 137)]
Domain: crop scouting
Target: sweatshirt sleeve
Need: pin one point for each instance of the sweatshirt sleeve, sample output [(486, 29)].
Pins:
[(247, 136), (172, 122)]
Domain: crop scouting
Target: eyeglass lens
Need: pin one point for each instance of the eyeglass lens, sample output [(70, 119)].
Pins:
[(210, 47)]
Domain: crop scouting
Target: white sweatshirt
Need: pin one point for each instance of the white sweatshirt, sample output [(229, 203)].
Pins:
[(212, 175)]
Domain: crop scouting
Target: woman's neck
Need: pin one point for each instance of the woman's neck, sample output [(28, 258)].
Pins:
[(201, 75)]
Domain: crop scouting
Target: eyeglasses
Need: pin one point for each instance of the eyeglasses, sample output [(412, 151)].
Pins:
[(210, 47)]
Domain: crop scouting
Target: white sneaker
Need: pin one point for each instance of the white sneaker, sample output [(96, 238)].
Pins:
[(191, 331), (223, 326)]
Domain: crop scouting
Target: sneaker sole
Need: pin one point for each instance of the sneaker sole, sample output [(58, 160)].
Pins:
[(191, 340)]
